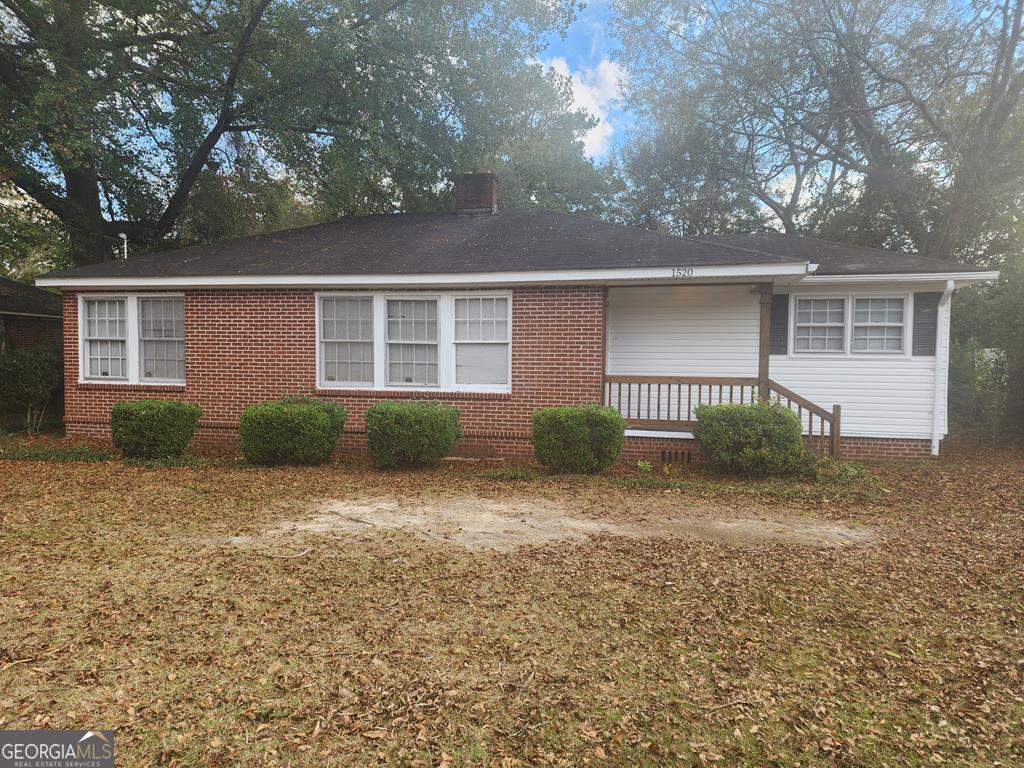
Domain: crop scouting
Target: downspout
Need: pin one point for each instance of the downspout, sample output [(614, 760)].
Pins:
[(941, 366)]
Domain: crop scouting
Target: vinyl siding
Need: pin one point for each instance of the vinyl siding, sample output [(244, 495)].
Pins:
[(707, 331)]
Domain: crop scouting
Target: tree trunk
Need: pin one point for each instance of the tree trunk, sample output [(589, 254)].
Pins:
[(85, 218)]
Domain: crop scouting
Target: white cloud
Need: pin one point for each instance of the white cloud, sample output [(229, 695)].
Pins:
[(595, 90)]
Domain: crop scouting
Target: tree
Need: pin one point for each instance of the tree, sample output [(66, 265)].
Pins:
[(115, 110), (911, 108)]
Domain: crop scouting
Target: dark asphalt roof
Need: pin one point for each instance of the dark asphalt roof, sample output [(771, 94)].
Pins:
[(20, 299), (838, 258), (513, 240)]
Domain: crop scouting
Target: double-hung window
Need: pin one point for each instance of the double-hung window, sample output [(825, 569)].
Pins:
[(346, 332), (106, 338), (446, 341), (878, 325), (481, 340), (133, 339), (820, 325), (412, 342), (162, 339)]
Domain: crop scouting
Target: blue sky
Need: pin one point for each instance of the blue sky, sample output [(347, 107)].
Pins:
[(585, 55)]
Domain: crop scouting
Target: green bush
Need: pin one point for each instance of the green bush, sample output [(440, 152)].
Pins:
[(292, 430), (154, 429), (402, 433), (28, 379), (578, 438), (759, 439)]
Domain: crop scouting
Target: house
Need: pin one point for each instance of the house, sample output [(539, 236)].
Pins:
[(29, 317), (501, 312)]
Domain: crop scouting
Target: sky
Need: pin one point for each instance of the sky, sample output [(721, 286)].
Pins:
[(585, 56)]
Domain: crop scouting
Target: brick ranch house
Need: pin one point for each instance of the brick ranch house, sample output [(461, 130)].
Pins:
[(501, 312)]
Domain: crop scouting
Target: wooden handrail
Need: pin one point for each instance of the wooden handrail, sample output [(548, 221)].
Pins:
[(738, 381), (800, 400), (645, 405)]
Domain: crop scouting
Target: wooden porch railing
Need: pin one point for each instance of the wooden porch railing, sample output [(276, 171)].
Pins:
[(670, 403)]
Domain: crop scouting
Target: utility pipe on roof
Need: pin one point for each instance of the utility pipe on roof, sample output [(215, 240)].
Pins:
[(940, 398)]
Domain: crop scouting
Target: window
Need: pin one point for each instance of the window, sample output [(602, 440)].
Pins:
[(878, 325), (346, 332), (447, 341), (412, 342), (132, 339), (820, 325), (162, 339), (481, 340), (106, 338)]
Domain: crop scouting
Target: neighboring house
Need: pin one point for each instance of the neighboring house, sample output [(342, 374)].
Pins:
[(29, 317), (503, 312)]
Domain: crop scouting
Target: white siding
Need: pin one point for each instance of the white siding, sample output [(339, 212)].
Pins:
[(683, 331), (708, 331)]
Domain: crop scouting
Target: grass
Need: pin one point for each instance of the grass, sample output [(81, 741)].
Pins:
[(127, 606)]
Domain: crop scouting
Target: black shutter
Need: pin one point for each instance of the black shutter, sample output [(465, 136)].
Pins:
[(779, 335), (926, 322)]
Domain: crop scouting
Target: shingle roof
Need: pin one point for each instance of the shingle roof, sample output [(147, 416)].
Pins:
[(21, 299), (513, 240), (838, 258)]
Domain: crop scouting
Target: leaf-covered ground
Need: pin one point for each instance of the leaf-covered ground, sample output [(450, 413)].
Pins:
[(122, 606)]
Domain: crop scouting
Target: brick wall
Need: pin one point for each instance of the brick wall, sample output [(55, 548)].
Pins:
[(38, 333), (243, 346)]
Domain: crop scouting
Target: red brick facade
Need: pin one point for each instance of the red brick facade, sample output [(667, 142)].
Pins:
[(244, 346), (37, 333)]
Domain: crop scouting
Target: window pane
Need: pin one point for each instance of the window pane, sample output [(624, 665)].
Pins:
[(106, 358), (348, 361), (414, 364), (481, 363), (105, 319), (820, 325), (878, 325), (412, 320), (481, 319)]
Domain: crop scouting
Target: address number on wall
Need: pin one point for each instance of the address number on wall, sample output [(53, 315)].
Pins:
[(682, 271)]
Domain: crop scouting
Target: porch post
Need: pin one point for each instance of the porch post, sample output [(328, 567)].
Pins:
[(764, 340)]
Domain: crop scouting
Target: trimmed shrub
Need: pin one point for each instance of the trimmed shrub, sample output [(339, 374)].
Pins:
[(292, 430), (28, 379), (405, 433), (758, 439), (154, 429), (578, 438)]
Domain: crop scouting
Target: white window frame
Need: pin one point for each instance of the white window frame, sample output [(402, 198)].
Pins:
[(795, 300), (903, 326), (507, 342), (848, 324), (133, 345), (445, 341)]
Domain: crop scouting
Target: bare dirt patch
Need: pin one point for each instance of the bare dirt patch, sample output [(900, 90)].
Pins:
[(507, 524)]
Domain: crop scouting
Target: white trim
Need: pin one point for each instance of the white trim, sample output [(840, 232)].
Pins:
[(5, 313), (132, 340), (960, 278), (939, 403), (848, 325), (444, 279), (658, 433), (445, 342)]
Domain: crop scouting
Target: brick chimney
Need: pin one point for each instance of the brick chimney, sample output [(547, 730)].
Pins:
[(476, 192)]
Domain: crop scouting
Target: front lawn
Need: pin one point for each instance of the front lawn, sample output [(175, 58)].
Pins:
[(155, 600)]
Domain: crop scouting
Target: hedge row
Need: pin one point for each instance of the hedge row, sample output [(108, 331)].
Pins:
[(747, 439)]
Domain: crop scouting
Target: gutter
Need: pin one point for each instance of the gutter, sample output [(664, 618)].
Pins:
[(941, 367)]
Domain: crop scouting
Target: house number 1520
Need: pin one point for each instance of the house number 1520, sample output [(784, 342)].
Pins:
[(682, 271)]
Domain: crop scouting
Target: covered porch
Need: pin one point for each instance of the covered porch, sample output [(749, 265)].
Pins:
[(670, 349)]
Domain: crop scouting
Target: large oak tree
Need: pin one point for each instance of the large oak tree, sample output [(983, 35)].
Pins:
[(113, 111)]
